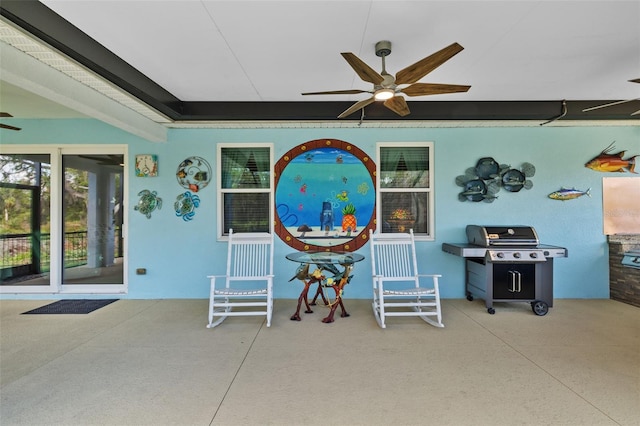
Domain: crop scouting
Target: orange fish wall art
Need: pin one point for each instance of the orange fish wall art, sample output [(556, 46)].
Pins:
[(607, 162)]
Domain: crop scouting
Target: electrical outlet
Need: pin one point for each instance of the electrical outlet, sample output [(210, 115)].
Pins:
[(141, 271)]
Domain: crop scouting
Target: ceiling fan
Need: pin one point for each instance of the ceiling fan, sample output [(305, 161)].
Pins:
[(6, 126), (387, 88), (635, 80)]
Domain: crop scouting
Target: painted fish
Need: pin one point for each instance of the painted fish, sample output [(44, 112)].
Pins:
[(568, 194), (606, 162)]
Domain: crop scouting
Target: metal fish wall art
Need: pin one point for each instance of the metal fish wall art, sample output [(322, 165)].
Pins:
[(607, 162), (484, 181), (564, 194)]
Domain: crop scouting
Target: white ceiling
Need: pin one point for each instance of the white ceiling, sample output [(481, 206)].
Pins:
[(201, 50), (274, 50)]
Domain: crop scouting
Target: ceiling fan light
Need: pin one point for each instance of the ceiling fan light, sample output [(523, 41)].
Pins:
[(383, 94)]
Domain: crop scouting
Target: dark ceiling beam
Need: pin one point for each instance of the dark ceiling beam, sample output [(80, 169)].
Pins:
[(40, 21), (420, 111), (37, 19)]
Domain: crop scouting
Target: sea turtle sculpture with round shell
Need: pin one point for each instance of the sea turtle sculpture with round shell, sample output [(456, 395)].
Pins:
[(149, 201)]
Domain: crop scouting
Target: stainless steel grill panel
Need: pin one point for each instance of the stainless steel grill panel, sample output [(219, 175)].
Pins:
[(506, 264)]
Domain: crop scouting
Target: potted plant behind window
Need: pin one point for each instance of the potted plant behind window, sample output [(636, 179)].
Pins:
[(401, 220)]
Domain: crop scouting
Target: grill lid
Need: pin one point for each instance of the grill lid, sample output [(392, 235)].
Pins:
[(492, 236)]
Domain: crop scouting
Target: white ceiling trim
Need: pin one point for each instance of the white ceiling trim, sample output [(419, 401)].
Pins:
[(27, 61), (396, 124)]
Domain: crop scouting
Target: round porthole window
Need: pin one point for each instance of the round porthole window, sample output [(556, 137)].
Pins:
[(325, 196)]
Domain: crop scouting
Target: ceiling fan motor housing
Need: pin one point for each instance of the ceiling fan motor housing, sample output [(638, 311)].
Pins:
[(383, 48)]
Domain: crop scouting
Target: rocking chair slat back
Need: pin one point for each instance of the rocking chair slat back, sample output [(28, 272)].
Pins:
[(393, 256), (250, 255), (398, 288), (249, 262)]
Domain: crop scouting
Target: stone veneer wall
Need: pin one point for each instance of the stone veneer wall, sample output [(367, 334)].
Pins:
[(624, 281)]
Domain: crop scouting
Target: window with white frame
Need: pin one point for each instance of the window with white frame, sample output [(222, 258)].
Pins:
[(245, 188), (405, 188)]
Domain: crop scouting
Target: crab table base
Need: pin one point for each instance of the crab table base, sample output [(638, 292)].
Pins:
[(321, 281), (326, 264)]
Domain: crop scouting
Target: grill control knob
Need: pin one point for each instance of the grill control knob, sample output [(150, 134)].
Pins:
[(533, 255), (500, 255), (516, 255)]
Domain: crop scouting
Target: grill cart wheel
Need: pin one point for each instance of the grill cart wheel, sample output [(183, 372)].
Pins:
[(539, 307), (491, 311), (469, 297)]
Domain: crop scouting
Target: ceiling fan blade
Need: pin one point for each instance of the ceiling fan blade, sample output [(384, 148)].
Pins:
[(5, 114), (609, 104), (398, 105), (635, 80), (358, 105), (365, 72), (421, 89), (337, 92), (415, 72), (6, 126)]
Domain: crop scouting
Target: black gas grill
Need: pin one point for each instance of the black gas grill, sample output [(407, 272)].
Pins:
[(507, 264)]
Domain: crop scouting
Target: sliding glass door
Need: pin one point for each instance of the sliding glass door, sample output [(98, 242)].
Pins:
[(63, 219), (92, 219), (25, 206)]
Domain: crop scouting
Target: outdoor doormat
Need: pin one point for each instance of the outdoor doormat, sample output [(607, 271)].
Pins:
[(72, 306)]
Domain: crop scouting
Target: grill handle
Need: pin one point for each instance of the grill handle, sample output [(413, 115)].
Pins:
[(516, 282)]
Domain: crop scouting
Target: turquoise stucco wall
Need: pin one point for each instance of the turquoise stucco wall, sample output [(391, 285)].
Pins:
[(178, 255)]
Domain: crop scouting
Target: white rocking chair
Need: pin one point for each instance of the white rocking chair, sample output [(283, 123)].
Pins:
[(394, 265), (249, 262)]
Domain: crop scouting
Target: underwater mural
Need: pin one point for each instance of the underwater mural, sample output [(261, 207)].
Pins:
[(325, 196)]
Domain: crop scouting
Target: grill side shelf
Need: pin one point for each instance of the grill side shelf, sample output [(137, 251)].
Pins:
[(464, 250)]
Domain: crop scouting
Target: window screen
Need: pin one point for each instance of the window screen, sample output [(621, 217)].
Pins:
[(245, 187), (404, 191)]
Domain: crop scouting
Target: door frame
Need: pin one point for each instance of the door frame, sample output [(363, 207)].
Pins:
[(55, 283)]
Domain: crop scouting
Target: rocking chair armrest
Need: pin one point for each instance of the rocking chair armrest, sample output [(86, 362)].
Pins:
[(429, 275), (271, 276)]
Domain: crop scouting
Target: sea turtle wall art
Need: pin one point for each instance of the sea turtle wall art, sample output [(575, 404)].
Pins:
[(148, 202)]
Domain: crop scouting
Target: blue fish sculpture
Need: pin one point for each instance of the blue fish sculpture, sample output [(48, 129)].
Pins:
[(568, 194)]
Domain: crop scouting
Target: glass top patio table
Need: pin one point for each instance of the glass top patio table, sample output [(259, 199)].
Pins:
[(333, 257), (325, 261)]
